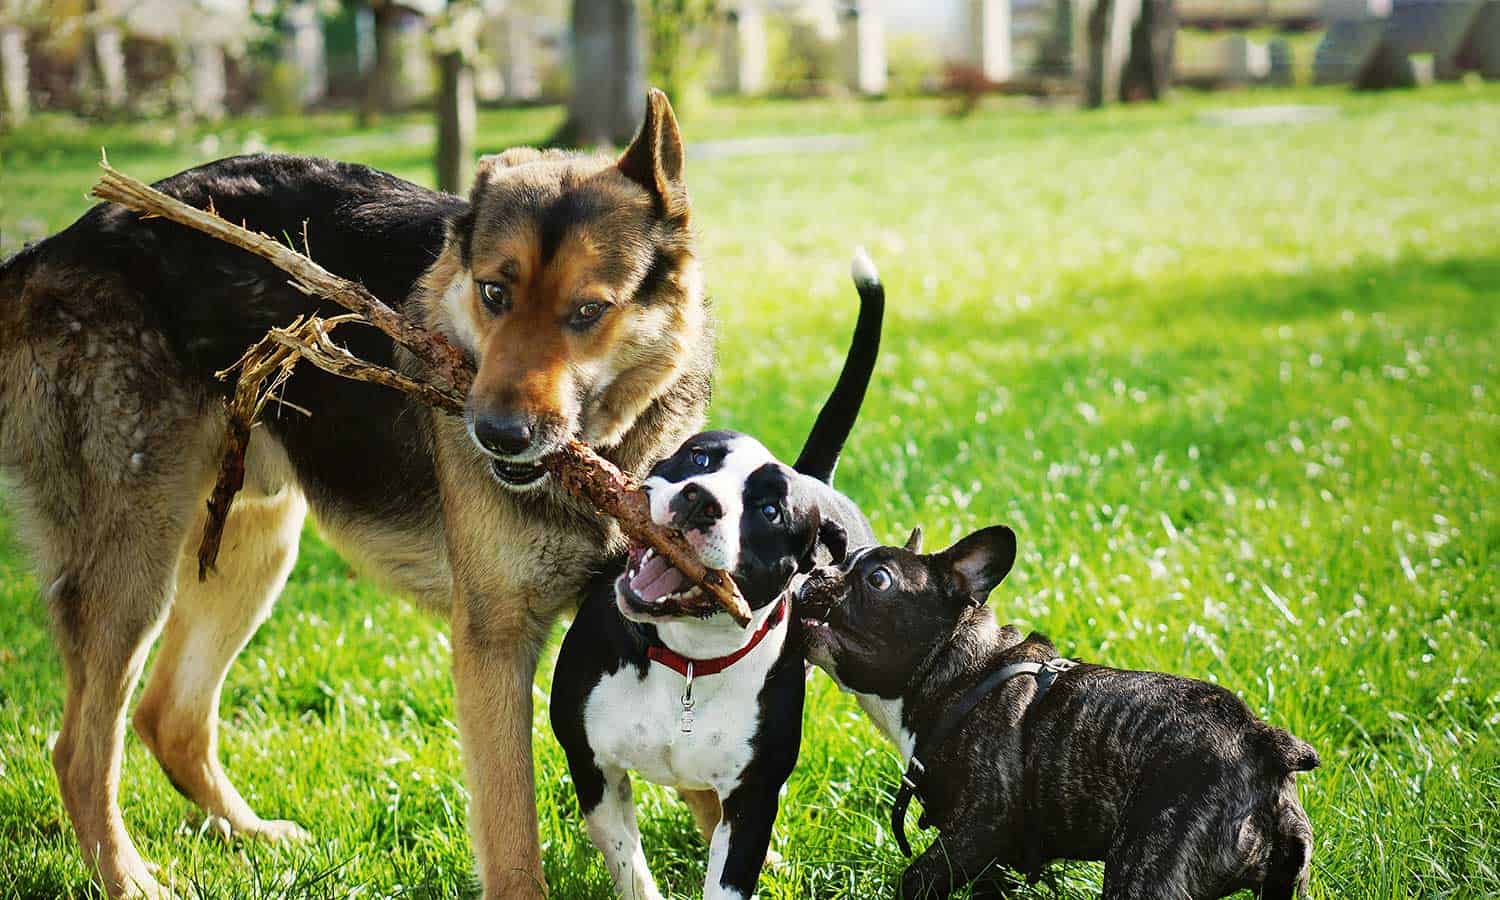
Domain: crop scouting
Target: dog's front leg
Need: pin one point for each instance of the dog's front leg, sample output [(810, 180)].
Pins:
[(948, 864), (738, 847), (495, 646)]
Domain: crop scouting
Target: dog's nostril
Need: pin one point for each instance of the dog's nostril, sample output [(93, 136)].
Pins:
[(691, 492), (505, 435), (712, 509)]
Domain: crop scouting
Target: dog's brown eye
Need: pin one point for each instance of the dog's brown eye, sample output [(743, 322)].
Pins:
[(496, 296), (879, 579), (587, 314)]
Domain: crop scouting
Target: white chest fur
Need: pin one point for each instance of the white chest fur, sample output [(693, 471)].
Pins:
[(635, 723)]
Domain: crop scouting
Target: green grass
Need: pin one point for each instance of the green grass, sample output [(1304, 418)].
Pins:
[(1235, 388)]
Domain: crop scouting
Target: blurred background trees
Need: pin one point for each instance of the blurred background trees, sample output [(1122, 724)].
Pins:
[(198, 60)]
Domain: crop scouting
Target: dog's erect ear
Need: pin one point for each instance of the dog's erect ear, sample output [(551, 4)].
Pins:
[(832, 535), (981, 561), (654, 159), (459, 231), (914, 540)]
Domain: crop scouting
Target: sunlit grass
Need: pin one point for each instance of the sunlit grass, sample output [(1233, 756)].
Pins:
[(1235, 388)]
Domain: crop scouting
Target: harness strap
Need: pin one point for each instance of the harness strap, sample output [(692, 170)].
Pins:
[(911, 780)]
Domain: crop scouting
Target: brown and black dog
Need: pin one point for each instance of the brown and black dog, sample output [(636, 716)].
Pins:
[(571, 280)]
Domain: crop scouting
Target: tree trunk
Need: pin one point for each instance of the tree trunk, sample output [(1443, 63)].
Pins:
[(210, 81), (1149, 70), (15, 103), (1094, 86), (109, 58), (456, 115), (609, 76), (376, 101)]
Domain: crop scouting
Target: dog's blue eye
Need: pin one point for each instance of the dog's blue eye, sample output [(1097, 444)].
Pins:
[(700, 459), (879, 579), (771, 511), (496, 296)]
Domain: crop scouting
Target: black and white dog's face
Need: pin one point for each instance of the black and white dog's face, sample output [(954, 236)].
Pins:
[(741, 510)]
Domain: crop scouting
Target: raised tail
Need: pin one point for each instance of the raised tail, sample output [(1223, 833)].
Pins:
[(820, 454)]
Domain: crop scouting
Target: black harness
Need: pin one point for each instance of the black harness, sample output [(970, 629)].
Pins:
[(911, 781)]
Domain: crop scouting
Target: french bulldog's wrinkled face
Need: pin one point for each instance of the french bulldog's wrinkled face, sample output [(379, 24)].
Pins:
[(740, 510), (871, 621)]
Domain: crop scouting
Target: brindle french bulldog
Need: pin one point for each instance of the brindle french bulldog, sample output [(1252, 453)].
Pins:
[(1020, 758)]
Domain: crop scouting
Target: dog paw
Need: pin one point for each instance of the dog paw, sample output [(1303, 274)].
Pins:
[(278, 831), (272, 831), (774, 859)]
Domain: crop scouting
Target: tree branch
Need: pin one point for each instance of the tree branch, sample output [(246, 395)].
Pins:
[(266, 366)]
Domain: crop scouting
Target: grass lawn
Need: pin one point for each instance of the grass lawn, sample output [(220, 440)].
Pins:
[(1236, 388)]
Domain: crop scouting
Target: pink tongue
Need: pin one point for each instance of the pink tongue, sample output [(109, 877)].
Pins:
[(656, 579)]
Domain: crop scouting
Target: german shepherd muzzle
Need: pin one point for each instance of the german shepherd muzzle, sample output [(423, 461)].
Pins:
[(569, 279)]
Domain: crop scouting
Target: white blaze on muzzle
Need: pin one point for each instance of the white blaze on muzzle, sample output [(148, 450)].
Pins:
[(718, 544)]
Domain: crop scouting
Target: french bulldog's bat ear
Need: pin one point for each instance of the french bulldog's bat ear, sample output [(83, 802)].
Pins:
[(914, 540), (654, 159), (832, 535), (981, 561)]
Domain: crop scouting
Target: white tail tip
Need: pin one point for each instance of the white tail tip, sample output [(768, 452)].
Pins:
[(862, 269)]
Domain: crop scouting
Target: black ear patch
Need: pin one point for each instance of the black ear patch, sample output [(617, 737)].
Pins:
[(833, 536), (914, 540), (981, 561)]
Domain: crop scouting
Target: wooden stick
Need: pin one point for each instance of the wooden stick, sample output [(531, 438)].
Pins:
[(446, 362), (266, 366), (589, 476)]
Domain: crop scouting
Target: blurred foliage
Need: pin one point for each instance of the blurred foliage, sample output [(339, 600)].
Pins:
[(801, 58), (680, 41), (914, 65)]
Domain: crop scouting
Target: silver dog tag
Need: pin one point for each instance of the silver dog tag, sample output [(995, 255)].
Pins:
[(687, 703)]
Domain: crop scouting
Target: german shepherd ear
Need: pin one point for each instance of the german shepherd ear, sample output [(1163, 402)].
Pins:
[(914, 540), (654, 159), (981, 561)]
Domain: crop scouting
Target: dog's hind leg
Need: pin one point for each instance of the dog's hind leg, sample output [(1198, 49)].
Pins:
[(111, 571), (105, 624), (705, 808), (210, 622)]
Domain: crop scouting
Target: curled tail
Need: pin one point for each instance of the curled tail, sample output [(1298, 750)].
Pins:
[(820, 454)]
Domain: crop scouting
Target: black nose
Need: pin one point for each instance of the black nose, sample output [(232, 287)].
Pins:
[(695, 507), (503, 435)]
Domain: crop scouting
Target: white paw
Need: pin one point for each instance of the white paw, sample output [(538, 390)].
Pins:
[(278, 831)]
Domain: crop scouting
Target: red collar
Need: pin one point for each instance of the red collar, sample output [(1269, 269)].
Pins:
[(679, 663)]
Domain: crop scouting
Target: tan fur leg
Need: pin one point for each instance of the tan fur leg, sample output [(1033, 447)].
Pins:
[(210, 622), (705, 808), (494, 660), (105, 630)]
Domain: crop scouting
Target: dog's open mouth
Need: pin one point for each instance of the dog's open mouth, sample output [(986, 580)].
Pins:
[(517, 474), (652, 586), (814, 607)]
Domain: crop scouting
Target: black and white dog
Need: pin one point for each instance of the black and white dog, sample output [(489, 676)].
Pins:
[(702, 704)]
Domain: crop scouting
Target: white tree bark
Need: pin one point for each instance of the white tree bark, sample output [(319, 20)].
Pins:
[(15, 102)]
